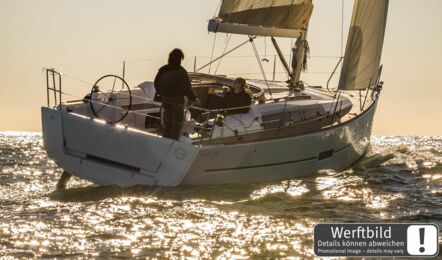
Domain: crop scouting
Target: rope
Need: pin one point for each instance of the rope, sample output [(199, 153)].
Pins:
[(272, 54), (224, 52), (232, 50), (77, 79), (260, 65), (306, 55), (342, 30), (291, 53), (218, 8), (213, 50), (283, 72)]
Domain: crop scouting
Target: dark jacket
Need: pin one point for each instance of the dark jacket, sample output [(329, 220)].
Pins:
[(173, 83), (232, 100)]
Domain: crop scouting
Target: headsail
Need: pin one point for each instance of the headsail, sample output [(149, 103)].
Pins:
[(276, 18), (364, 45)]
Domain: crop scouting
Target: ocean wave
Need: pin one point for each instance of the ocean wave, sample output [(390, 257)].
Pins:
[(257, 220)]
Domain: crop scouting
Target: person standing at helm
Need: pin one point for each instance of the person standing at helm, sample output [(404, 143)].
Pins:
[(172, 84)]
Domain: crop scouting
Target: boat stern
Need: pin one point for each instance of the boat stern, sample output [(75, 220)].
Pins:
[(110, 154), (52, 128)]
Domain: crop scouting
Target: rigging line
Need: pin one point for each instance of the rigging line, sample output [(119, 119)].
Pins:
[(76, 79), (274, 69), (271, 53), (151, 100), (124, 74), (117, 108), (218, 8), (143, 60), (224, 51), (282, 72), (325, 57), (232, 50), (90, 84), (213, 50), (342, 30), (265, 48), (291, 53), (321, 93), (139, 113), (191, 106), (260, 65)]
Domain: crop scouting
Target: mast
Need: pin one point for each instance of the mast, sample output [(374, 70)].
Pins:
[(298, 61), (276, 18)]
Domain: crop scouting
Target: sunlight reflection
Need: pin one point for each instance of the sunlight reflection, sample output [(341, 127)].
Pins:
[(352, 189), (432, 176), (292, 188), (273, 221)]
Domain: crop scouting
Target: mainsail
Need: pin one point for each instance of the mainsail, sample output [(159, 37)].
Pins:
[(364, 45), (276, 18)]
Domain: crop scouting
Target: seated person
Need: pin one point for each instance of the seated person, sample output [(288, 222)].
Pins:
[(237, 97)]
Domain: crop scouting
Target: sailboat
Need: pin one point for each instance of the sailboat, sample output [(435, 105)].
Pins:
[(113, 136)]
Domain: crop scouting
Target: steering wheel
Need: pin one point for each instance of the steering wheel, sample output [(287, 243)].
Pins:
[(106, 100)]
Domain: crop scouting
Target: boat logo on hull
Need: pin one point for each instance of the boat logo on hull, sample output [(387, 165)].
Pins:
[(180, 153)]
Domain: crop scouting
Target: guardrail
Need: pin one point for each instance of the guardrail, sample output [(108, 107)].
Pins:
[(204, 128), (53, 84)]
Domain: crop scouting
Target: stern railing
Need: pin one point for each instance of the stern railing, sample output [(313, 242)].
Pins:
[(53, 86)]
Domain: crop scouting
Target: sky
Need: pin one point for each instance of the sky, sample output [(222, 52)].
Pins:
[(87, 39)]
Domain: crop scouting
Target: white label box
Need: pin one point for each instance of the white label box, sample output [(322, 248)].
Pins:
[(422, 240)]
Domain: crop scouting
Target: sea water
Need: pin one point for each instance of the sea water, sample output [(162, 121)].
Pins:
[(270, 220)]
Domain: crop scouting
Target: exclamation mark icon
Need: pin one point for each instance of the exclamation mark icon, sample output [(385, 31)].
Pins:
[(422, 239)]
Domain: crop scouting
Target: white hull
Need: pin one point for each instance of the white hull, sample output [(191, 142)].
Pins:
[(113, 155)]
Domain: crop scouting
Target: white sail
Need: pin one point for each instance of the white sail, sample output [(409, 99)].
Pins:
[(364, 45), (277, 18)]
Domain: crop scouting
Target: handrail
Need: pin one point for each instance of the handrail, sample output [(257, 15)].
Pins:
[(302, 122), (54, 74), (333, 73), (203, 127), (281, 120), (336, 106)]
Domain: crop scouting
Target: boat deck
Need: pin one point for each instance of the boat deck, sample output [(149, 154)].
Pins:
[(311, 110)]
